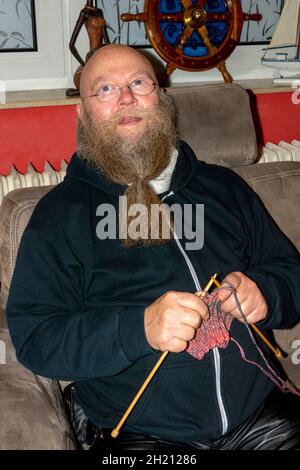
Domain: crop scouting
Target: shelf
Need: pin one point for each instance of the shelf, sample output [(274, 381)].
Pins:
[(258, 86), (38, 98)]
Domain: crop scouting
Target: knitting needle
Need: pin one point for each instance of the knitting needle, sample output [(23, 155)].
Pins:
[(116, 430), (202, 293), (276, 351)]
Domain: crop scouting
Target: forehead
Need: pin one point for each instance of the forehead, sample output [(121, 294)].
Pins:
[(119, 67)]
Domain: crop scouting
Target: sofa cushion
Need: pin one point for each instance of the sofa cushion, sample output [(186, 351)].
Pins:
[(217, 123), (31, 409)]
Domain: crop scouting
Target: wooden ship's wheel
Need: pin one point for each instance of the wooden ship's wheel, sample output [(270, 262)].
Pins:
[(193, 35)]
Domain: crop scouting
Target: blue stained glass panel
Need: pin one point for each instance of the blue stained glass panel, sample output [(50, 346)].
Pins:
[(171, 31), (216, 6), (170, 6), (217, 32), (195, 46), (175, 6)]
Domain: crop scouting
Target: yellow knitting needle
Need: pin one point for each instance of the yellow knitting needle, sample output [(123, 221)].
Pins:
[(276, 351), (116, 430)]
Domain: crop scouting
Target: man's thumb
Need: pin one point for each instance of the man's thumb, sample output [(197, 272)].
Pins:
[(231, 280)]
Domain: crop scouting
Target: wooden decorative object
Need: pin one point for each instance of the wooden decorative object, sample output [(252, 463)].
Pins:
[(193, 35), (92, 18)]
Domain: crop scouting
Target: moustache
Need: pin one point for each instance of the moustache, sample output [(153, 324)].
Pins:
[(124, 116)]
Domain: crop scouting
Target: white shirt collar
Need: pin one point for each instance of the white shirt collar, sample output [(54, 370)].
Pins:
[(162, 182)]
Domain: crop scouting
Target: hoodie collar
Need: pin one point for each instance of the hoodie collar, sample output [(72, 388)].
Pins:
[(82, 170)]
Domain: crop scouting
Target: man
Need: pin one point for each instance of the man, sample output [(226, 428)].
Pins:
[(95, 306)]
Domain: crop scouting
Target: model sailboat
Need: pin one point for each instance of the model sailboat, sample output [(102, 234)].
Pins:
[(283, 53)]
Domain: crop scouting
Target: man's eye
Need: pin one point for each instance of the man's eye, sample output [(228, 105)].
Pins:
[(137, 83), (105, 89)]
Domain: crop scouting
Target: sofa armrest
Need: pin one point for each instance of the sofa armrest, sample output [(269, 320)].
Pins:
[(278, 186), (15, 212), (32, 411)]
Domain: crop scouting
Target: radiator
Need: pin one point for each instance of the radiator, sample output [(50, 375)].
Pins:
[(16, 180), (283, 151)]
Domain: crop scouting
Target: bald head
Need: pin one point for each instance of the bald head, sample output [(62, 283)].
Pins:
[(111, 61)]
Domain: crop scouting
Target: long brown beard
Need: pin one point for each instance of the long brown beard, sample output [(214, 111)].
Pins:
[(133, 161)]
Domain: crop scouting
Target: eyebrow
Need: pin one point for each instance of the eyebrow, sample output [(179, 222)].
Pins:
[(96, 81), (102, 78)]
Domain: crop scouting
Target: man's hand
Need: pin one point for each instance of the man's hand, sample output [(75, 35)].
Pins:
[(171, 321), (253, 303)]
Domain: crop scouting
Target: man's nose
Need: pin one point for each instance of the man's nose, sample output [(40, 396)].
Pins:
[(126, 96)]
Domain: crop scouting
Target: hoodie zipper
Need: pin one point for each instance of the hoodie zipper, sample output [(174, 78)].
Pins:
[(216, 355)]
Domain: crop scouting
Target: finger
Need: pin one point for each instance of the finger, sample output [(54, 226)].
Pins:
[(192, 317), (237, 314), (246, 318), (185, 333), (248, 312), (234, 279), (177, 345), (253, 315), (231, 305), (192, 301), (231, 280)]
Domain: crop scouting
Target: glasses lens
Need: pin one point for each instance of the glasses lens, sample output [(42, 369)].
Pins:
[(139, 86), (107, 92), (142, 86)]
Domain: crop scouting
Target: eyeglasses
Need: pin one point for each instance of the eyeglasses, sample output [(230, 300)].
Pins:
[(108, 92)]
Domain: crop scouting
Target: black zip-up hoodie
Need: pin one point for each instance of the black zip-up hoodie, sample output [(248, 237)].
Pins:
[(76, 304)]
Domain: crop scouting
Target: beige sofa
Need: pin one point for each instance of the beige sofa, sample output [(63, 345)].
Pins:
[(217, 122)]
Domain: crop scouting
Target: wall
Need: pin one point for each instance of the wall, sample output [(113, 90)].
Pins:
[(50, 66), (53, 65), (276, 117), (36, 135)]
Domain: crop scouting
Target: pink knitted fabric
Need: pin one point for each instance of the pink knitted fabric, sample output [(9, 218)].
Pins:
[(213, 332)]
